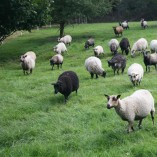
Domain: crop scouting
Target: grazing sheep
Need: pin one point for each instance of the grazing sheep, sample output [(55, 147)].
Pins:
[(94, 66), (124, 24), (67, 82), (56, 59), (28, 64), (125, 45), (29, 53), (67, 39), (144, 23), (113, 44), (98, 50), (150, 59), (139, 45), (118, 30), (134, 107), (135, 72), (117, 62), (89, 42), (153, 46), (60, 48)]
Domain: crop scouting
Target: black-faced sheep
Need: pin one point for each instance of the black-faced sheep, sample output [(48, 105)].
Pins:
[(67, 39), (67, 82), (56, 60), (124, 24), (113, 44), (134, 107), (140, 45), (89, 42), (94, 66), (125, 45), (135, 72), (150, 59), (28, 62), (98, 50), (144, 23), (117, 62), (60, 48), (118, 30)]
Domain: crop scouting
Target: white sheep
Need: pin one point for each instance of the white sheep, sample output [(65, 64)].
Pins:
[(56, 59), (60, 48), (67, 39), (28, 64), (144, 23), (29, 53), (135, 72), (94, 66), (98, 50), (134, 107), (124, 24), (113, 44), (153, 46), (139, 45)]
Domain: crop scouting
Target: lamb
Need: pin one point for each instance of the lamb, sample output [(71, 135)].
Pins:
[(124, 24), (56, 60), (28, 62), (89, 42), (135, 72), (60, 48), (118, 30), (139, 45), (150, 59), (113, 44), (125, 45), (117, 62), (67, 39), (144, 23), (134, 107), (153, 46), (98, 50), (94, 66), (67, 82)]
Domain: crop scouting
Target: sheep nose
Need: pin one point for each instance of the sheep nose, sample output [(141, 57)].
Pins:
[(108, 106)]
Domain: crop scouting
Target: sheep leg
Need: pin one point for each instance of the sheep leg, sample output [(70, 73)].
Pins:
[(152, 116), (155, 67), (58, 66), (61, 65), (122, 70), (130, 127), (92, 75), (30, 71), (66, 98), (139, 124), (149, 68), (96, 76)]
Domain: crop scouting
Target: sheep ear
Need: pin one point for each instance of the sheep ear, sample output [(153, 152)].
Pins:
[(107, 96), (118, 96)]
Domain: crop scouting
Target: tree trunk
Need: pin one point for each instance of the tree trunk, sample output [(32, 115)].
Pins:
[(62, 25)]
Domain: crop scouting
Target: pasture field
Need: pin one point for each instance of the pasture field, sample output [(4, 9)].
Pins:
[(36, 123)]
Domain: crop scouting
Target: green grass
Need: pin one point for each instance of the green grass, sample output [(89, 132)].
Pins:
[(35, 122)]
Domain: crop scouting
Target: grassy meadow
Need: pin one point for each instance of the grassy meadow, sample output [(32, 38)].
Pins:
[(36, 123)]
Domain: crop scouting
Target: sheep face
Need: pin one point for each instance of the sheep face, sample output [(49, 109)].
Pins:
[(134, 77), (112, 101), (22, 58), (57, 87), (133, 53), (104, 74)]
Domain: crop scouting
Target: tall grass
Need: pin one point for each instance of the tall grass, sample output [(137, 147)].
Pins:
[(35, 122)]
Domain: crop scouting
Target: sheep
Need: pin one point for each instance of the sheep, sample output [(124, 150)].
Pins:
[(139, 45), (98, 50), (89, 42), (67, 39), (153, 46), (60, 48), (117, 62), (150, 59), (124, 24), (28, 64), (144, 23), (67, 82), (134, 107), (56, 59), (118, 30), (113, 44), (94, 66), (135, 72), (125, 45)]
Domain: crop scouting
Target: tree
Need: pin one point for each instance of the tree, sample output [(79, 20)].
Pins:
[(63, 11)]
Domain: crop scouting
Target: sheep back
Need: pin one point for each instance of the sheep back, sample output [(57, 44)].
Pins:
[(153, 46), (125, 45), (118, 30), (89, 42), (98, 50), (56, 60), (60, 48), (67, 39)]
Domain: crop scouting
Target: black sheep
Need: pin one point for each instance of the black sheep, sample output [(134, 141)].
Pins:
[(117, 62), (125, 45), (67, 82), (89, 42)]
